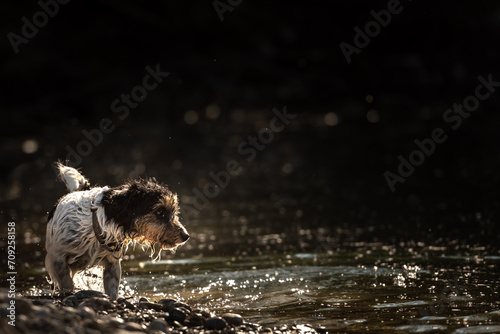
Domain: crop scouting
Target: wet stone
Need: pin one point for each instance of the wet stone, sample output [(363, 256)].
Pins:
[(41, 312), (266, 330), (98, 304), (71, 301), (184, 306), (158, 324), (86, 294), (23, 306), (129, 305), (178, 315), (125, 331), (132, 326), (92, 324), (215, 323), (196, 319), (206, 314), (177, 324), (167, 302), (143, 300), (150, 306), (233, 319)]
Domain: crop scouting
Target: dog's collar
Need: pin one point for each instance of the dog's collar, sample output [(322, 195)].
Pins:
[(113, 247)]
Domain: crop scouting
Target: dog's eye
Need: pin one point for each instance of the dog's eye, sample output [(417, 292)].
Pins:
[(161, 214)]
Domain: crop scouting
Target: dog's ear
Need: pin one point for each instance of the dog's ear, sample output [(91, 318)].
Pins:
[(116, 202)]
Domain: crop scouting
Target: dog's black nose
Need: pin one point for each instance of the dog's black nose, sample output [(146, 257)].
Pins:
[(184, 236)]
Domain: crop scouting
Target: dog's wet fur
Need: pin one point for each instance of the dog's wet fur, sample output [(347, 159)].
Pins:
[(140, 211)]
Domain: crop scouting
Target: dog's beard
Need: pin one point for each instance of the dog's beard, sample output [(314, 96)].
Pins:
[(149, 232)]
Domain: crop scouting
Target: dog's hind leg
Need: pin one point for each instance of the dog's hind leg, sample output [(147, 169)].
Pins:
[(111, 276), (60, 273)]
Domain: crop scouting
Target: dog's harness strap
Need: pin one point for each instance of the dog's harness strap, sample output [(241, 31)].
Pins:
[(111, 247)]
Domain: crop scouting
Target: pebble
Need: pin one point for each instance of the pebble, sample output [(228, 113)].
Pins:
[(196, 319), (98, 304), (132, 326), (23, 306), (86, 294), (178, 315), (184, 306), (95, 313), (167, 302), (148, 305), (233, 319), (158, 324), (215, 323)]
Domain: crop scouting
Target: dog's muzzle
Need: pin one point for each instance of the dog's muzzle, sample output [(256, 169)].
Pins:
[(184, 236)]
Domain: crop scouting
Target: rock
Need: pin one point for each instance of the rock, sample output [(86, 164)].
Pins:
[(207, 314), (70, 312), (184, 306), (196, 319), (159, 325), (266, 330), (23, 306), (177, 325), (97, 304), (41, 312), (143, 300), (321, 330), (178, 315), (215, 323), (129, 305), (125, 303), (116, 322), (92, 324), (71, 301), (233, 319), (167, 302), (86, 294), (133, 327), (125, 331), (86, 312), (148, 305)]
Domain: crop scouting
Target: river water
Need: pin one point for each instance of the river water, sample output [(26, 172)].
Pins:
[(346, 286)]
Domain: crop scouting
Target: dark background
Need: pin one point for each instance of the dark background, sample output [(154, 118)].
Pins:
[(264, 55)]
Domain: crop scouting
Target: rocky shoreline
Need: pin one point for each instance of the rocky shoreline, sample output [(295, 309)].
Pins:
[(92, 312)]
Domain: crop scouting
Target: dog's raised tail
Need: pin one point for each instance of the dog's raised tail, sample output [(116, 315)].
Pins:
[(73, 179)]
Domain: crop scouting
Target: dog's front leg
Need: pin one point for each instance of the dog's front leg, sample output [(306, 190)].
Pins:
[(111, 276), (59, 272)]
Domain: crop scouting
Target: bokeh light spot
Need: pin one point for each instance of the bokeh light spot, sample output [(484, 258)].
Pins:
[(30, 146), (331, 119)]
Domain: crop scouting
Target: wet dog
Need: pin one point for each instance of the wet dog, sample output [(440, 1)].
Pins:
[(94, 226)]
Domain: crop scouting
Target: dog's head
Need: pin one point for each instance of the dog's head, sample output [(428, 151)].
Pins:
[(148, 213)]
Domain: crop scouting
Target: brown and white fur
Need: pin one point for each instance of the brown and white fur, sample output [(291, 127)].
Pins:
[(142, 211)]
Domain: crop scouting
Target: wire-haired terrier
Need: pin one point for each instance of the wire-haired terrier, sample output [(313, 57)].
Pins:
[(94, 226)]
